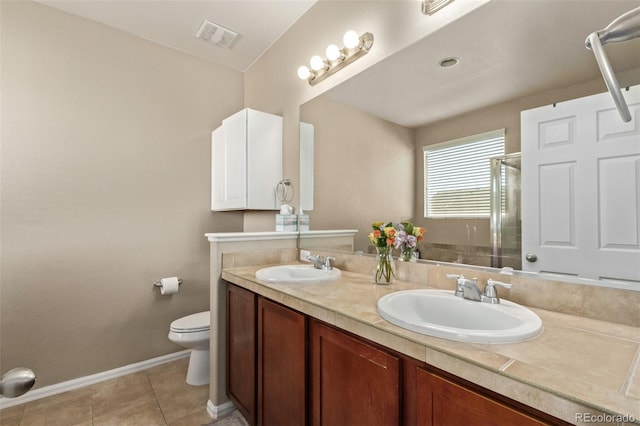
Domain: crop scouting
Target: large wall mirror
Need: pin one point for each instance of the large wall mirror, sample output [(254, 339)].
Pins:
[(509, 56)]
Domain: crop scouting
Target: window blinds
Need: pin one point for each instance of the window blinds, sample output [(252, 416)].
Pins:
[(457, 176)]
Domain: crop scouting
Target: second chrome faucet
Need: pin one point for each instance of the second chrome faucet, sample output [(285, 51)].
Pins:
[(320, 262), (468, 289)]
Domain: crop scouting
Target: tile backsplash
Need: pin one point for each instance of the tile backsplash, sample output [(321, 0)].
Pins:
[(601, 303)]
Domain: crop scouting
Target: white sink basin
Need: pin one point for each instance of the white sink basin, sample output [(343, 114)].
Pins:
[(441, 314), (297, 274)]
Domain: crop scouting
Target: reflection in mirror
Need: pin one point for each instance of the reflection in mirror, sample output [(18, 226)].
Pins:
[(505, 224), (364, 169), (306, 167), (458, 194), (370, 130)]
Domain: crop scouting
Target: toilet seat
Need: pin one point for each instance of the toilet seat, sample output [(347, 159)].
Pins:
[(192, 323)]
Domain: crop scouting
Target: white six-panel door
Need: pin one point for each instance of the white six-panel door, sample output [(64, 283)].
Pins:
[(581, 189)]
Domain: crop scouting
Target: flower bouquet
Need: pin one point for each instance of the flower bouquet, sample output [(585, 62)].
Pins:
[(383, 238), (407, 238)]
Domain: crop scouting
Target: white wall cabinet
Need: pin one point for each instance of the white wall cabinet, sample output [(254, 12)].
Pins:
[(246, 161)]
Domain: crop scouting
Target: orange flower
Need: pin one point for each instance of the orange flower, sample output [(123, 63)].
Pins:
[(374, 236), (384, 234)]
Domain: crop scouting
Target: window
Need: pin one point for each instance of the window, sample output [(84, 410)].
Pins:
[(457, 176)]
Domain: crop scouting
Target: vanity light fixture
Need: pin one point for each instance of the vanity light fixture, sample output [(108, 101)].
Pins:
[(429, 7), (354, 47), (334, 53), (317, 63)]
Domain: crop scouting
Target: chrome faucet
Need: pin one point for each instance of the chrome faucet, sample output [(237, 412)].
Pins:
[(490, 295), (318, 261), (468, 289), (328, 263)]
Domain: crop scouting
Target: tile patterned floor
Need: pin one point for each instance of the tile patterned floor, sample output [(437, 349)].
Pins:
[(157, 396)]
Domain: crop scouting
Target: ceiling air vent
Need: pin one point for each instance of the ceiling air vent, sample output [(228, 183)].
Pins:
[(216, 34)]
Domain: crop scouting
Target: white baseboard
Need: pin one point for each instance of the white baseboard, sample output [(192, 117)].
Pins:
[(89, 380), (217, 411)]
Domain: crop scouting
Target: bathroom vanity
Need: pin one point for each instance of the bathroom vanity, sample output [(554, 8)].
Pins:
[(286, 367), (343, 362)]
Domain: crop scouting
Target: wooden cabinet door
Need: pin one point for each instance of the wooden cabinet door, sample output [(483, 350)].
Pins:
[(264, 159), (352, 382), (229, 164), (281, 365), (442, 402), (241, 350), (246, 161)]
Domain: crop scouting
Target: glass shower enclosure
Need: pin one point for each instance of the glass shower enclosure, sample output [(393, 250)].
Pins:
[(505, 219)]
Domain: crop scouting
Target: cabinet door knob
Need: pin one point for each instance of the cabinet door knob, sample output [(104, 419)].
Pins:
[(531, 257)]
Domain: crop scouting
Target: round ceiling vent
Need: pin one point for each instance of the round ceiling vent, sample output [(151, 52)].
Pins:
[(449, 62)]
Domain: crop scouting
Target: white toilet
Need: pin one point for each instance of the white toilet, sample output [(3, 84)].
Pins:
[(192, 332)]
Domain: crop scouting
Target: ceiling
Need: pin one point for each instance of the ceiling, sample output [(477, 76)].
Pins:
[(507, 49), (175, 23)]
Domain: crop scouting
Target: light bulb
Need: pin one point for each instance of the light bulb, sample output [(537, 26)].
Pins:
[(317, 63), (304, 73), (333, 52), (351, 39)]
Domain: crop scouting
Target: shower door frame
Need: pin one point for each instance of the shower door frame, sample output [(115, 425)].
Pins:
[(495, 216)]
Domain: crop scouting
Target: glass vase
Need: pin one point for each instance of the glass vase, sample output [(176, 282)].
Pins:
[(408, 255), (385, 269)]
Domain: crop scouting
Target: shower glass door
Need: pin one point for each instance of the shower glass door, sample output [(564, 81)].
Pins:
[(505, 222)]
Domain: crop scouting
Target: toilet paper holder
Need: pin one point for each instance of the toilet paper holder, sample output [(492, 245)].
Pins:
[(158, 283)]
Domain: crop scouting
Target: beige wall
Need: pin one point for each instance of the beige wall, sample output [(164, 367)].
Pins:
[(364, 169), (105, 188), (505, 115)]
